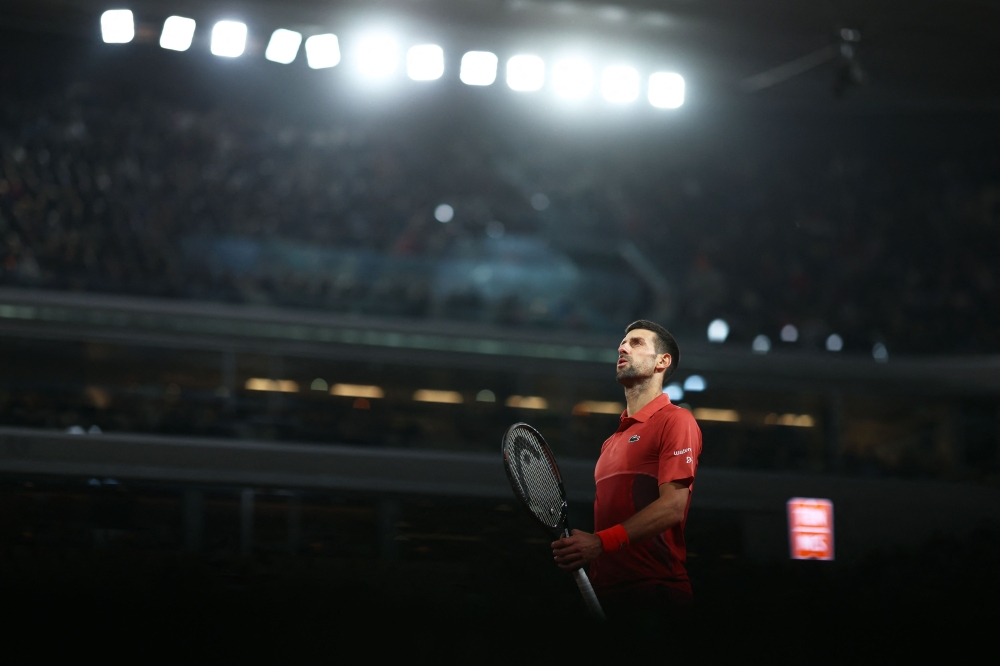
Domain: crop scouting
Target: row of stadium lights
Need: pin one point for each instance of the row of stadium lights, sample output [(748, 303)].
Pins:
[(363, 394), (718, 331), (377, 57), (675, 391)]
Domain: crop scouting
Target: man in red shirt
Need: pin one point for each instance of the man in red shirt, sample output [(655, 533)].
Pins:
[(645, 477)]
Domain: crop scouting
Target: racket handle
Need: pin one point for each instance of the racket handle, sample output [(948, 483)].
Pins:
[(589, 597)]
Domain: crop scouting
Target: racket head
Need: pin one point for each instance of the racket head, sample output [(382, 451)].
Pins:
[(534, 476)]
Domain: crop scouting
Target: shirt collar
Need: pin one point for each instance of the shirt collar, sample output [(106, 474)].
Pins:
[(655, 405)]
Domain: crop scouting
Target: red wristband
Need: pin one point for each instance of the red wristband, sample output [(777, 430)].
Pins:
[(613, 539)]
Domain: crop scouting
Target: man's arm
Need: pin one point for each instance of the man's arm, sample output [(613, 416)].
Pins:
[(667, 510)]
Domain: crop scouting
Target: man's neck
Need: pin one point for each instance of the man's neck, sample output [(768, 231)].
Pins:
[(639, 395)]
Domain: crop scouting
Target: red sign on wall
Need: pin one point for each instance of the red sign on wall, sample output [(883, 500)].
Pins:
[(810, 528)]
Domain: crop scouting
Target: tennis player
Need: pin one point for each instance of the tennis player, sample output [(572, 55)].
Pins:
[(645, 477)]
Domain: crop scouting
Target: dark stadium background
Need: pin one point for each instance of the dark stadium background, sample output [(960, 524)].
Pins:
[(177, 228)]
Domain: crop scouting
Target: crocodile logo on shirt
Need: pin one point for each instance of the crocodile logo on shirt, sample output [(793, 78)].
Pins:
[(634, 438)]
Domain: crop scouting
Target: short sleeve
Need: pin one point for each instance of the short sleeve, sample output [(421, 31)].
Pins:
[(679, 449)]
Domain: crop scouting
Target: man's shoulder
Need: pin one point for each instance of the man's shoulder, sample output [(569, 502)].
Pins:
[(672, 415), (675, 424)]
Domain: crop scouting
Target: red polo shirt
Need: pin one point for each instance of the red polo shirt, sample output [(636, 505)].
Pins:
[(659, 444)]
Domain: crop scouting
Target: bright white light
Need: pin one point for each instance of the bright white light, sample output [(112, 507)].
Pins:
[(834, 343), (572, 79), (789, 333), (425, 62), (674, 391), (378, 56), (117, 26), (695, 383), (284, 46), (177, 33), (880, 353), (444, 213), (666, 90), (525, 73), (761, 344), (322, 51), (229, 39), (620, 85), (718, 330), (479, 68)]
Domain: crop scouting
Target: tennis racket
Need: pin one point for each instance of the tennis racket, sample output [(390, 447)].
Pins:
[(534, 476)]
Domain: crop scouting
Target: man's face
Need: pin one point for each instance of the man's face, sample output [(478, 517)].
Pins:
[(637, 357)]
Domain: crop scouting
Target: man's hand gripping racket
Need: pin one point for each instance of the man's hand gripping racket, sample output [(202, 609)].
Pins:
[(534, 476)]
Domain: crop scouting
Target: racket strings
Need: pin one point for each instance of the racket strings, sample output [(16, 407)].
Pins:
[(534, 476)]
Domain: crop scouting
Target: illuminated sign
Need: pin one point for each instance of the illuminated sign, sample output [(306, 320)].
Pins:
[(810, 528)]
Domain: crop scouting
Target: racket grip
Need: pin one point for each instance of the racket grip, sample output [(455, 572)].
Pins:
[(589, 597)]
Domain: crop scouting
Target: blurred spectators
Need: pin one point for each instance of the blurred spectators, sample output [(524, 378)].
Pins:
[(139, 197)]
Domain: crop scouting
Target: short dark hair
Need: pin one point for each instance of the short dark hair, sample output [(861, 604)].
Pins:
[(665, 343)]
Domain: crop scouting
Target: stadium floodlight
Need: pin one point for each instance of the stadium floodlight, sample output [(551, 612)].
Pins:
[(178, 32), (525, 73), (117, 26), (283, 46), (789, 333), (834, 343), (425, 62), (619, 84), (572, 78), (229, 39), (479, 68), (378, 56), (666, 90), (322, 51)]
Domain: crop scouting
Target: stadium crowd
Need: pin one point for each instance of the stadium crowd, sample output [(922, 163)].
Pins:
[(131, 195)]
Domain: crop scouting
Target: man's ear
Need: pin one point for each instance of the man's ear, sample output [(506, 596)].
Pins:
[(665, 361)]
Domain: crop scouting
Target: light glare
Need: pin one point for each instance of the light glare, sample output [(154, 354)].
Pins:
[(479, 68), (718, 330), (322, 51), (178, 32), (284, 46), (229, 39), (525, 73), (444, 213), (834, 343), (789, 333), (378, 56), (620, 85), (527, 402), (695, 383), (425, 62), (674, 391), (572, 78), (357, 391), (445, 397), (709, 414), (117, 26), (666, 90), (761, 344)]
